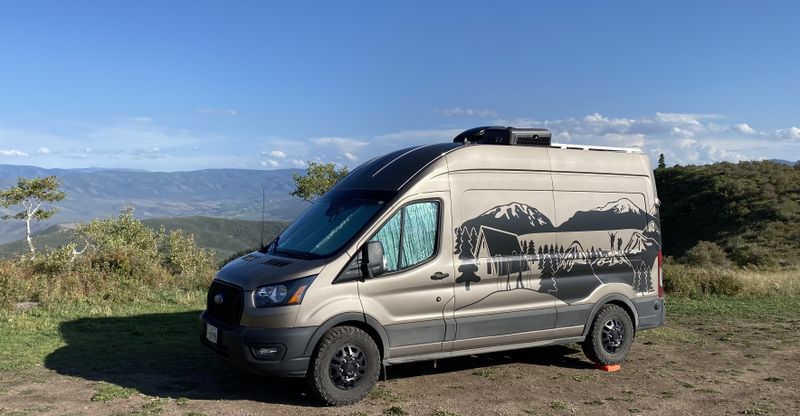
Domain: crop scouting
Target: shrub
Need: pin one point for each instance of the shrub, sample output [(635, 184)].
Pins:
[(685, 280), (122, 261), (707, 254)]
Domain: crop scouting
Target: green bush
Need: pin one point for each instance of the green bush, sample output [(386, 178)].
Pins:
[(706, 254), (690, 281), (122, 260)]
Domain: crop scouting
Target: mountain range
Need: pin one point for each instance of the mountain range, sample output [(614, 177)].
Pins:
[(101, 193), (225, 237), (625, 215)]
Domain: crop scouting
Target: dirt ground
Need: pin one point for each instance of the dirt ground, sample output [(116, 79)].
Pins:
[(688, 367)]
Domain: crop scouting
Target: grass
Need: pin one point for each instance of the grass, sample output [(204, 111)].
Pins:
[(394, 411), (490, 373), (764, 307), (585, 377), (559, 405), (108, 392), (169, 318), (31, 336), (381, 392)]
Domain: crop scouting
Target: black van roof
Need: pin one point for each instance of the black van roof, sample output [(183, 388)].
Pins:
[(392, 171)]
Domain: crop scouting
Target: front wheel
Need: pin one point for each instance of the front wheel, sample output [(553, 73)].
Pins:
[(344, 367), (610, 337)]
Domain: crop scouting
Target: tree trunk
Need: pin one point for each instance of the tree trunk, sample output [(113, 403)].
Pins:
[(28, 237)]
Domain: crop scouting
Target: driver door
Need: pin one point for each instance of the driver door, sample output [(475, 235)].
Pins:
[(413, 297)]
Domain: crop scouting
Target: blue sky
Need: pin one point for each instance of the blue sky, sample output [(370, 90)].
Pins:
[(191, 85)]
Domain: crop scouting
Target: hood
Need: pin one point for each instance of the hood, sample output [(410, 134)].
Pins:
[(259, 269)]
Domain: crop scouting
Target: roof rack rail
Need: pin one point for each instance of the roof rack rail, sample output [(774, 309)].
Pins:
[(593, 147)]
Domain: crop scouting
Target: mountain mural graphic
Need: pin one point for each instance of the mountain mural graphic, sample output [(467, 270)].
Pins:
[(616, 215), (493, 241), (514, 218)]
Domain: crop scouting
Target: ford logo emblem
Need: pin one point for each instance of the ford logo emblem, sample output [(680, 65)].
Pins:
[(218, 299)]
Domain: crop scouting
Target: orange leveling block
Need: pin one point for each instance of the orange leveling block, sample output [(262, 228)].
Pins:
[(608, 368)]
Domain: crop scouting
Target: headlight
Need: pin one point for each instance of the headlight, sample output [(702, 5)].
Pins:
[(284, 293)]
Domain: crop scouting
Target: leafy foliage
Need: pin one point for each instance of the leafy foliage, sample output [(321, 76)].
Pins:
[(708, 254), (32, 195), (750, 209), (319, 178), (120, 260)]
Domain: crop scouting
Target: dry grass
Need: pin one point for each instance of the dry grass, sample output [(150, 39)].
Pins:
[(702, 281), (772, 282)]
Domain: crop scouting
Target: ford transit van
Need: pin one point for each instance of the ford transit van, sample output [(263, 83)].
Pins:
[(498, 240)]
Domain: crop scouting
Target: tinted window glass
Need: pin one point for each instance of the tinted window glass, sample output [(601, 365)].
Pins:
[(325, 227)]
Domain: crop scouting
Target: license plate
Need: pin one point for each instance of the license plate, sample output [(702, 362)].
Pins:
[(211, 334)]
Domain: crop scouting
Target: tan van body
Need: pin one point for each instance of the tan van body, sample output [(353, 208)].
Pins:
[(510, 247)]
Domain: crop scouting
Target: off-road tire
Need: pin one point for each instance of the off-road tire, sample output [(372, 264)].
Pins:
[(319, 373), (594, 347)]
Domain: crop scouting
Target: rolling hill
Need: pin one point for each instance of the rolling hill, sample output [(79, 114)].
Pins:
[(224, 236), (100, 193)]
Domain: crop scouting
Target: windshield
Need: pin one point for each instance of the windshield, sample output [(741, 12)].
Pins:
[(330, 223)]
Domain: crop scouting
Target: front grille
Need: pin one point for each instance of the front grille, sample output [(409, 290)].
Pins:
[(230, 310)]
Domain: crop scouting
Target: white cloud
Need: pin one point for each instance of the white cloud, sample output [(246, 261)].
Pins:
[(682, 137), (269, 163), (687, 143), (744, 128), (43, 151), (277, 153), (351, 157), (218, 112), (344, 144), (469, 112), (12, 152), (431, 135), (299, 163), (792, 133), (685, 118)]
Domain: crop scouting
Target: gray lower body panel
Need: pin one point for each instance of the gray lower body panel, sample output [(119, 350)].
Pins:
[(652, 312), (505, 323), (234, 344)]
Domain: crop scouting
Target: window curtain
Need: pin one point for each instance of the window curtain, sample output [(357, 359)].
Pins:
[(389, 236), (419, 232)]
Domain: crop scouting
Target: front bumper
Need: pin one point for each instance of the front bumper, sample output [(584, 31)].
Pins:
[(235, 343)]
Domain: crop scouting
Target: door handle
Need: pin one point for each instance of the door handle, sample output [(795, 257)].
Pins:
[(439, 276)]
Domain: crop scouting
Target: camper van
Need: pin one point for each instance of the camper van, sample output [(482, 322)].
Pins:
[(496, 241)]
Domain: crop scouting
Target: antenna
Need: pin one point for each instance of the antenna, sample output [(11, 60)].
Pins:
[(263, 207)]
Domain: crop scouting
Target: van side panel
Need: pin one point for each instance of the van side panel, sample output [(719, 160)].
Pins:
[(501, 206), (608, 223)]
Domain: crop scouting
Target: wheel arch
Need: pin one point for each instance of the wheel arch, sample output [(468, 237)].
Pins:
[(615, 299), (359, 320)]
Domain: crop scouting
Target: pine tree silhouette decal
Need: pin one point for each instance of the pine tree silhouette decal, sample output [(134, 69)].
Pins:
[(468, 266), (547, 283)]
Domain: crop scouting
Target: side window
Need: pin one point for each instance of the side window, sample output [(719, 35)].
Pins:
[(409, 237)]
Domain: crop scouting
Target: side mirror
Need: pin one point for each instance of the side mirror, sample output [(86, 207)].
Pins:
[(372, 260)]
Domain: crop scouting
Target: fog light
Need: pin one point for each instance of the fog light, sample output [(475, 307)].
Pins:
[(268, 352)]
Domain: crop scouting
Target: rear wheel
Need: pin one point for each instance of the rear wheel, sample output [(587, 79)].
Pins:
[(610, 337), (344, 367)]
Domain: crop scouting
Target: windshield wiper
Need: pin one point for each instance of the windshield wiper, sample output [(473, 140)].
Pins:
[(297, 254)]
